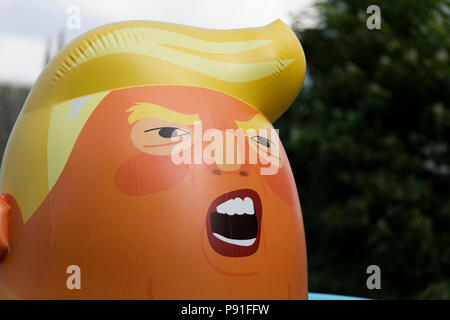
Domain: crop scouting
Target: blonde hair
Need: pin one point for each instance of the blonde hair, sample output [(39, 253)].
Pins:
[(148, 110)]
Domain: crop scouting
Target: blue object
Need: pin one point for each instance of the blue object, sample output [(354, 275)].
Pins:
[(325, 296)]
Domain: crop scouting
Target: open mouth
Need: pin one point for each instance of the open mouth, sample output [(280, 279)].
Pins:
[(233, 223)]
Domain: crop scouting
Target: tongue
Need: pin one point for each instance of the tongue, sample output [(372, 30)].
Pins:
[(239, 227)]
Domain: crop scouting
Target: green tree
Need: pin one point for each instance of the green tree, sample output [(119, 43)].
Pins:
[(368, 140)]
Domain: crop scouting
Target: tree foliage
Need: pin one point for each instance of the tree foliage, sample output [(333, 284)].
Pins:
[(368, 140)]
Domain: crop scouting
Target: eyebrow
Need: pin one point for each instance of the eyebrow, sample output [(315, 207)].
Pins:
[(257, 122), (142, 110)]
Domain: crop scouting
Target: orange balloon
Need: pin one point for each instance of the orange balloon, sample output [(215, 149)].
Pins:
[(151, 194)]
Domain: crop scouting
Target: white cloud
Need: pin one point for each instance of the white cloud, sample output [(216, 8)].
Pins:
[(201, 13), (22, 60)]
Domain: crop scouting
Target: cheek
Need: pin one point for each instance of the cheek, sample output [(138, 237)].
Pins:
[(283, 185), (145, 174)]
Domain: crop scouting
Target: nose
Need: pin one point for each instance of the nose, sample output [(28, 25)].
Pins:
[(228, 167), (236, 151), (219, 169)]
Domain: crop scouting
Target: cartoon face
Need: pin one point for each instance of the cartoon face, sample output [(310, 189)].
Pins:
[(195, 229), (233, 218)]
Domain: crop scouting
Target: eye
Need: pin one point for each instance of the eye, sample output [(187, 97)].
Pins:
[(169, 132), (263, 141)]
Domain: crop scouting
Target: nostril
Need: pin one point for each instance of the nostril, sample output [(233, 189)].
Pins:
[(217, 172), (243, 173)]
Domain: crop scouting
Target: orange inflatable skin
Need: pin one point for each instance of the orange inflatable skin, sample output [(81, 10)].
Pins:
[(138, 225), (155, 245)]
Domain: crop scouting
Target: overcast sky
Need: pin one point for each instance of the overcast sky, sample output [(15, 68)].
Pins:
[(26, 25)]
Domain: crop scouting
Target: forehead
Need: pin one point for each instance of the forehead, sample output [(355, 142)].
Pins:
[(211, 106)]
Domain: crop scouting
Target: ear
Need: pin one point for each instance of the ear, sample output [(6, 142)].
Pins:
[(4, 214)]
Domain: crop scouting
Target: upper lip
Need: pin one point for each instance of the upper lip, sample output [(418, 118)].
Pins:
[(234, 223)]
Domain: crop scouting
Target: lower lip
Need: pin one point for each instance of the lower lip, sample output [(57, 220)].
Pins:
[(247, 247)]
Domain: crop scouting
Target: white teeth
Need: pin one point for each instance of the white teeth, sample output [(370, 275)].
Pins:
[(243, 243), (236, 206), (248, 205)]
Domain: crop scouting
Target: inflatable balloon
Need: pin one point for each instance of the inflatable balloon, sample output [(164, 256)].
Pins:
[(144, 165)]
